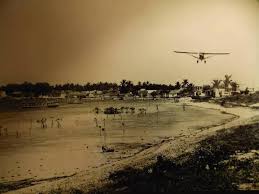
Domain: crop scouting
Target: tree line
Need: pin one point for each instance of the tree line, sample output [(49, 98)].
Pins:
[(125, 86)]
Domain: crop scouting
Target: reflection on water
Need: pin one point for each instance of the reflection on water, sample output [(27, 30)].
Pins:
[(61, 141)]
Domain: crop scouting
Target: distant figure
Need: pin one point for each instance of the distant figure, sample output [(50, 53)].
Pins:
[(104, 123), (143, 111), (30, 128), (43, 122), (101, 129), (96, 122), (52, 122), (132, 110), (123, 128), (58, 122), (184, 106), (17, 134), (157, 108)]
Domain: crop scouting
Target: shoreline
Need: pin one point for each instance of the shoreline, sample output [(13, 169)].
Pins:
[(183, 144)]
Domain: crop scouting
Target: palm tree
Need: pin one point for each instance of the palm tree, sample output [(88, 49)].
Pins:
[(227, 82), (177, 85), (123, 86), (216, 83), (185, 83)]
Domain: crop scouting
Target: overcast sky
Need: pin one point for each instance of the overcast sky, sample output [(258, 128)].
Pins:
[(108, 40)]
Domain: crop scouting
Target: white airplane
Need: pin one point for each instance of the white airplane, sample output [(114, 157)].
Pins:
[(201, 56)]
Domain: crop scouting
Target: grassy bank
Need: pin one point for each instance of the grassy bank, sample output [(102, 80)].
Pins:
[(227, 161), (244, 100)]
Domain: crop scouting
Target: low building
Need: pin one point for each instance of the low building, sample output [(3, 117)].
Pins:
[(150, 94), (142, 93), (17, 94), (198, 91), (174, 93), (128, 96), (111, 94)]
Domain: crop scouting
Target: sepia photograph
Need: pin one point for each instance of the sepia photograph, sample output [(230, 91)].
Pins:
[(129, 96)]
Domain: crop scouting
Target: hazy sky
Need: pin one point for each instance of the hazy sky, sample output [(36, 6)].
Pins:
[(108, 40)]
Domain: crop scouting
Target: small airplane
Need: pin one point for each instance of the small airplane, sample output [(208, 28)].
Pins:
[(201, 56)]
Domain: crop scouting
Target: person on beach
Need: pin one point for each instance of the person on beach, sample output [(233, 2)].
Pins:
[(123, 128), (58, 122), (104, 123), (43, 123), (52, 122), (184, 106), (96, 122)]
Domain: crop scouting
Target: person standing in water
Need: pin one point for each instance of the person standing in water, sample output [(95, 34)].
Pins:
[(184, 106)]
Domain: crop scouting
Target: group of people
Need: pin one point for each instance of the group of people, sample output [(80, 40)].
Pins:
[(5, 131), (44, 125)]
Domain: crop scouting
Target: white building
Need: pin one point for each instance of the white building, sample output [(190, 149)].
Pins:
[(174, 93)]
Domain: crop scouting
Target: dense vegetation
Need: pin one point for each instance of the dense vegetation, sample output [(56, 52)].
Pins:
[(124, 87), (213, 166)]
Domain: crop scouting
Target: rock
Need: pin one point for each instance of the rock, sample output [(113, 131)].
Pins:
[(107, 149)]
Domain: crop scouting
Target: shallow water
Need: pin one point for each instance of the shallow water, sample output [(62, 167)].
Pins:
[(30, 151)]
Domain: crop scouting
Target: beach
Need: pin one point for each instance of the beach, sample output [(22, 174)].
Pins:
[(173, 136)]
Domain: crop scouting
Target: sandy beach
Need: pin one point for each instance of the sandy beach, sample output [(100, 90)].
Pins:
[(135, 152)]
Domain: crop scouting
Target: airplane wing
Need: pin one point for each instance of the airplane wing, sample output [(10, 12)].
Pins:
[(189, 53), (186, 52), (215, 53)]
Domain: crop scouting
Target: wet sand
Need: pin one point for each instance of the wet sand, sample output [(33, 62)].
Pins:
[(75, 148)]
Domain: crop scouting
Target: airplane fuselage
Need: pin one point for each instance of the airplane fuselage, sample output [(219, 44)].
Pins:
[(201, 56)]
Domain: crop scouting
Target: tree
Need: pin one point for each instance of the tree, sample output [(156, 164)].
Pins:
[(216, 83), (177, 85), (42, 89), (190, 88), (234, 86), (185, 83), (126, 86), (227, 82), (154, 94), (206, 87)]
